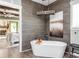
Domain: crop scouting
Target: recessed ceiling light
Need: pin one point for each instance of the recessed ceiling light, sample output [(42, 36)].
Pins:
[(43, 0)]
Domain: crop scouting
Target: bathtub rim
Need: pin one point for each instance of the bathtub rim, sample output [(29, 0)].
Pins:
[(62, 43)]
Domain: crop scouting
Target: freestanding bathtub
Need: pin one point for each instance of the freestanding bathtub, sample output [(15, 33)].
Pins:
[(54, 49)]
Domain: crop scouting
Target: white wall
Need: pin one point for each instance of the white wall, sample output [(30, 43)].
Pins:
[(10, 4), (74, 21), (18, 2)]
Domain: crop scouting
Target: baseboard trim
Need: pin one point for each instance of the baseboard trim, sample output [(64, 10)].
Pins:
[(15, 45), (26, 50)]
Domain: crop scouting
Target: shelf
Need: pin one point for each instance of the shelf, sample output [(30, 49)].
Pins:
[(3, 26), (9, 11), (13, 18)]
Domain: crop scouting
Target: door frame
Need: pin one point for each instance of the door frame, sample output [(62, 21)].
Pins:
[(20, 30)]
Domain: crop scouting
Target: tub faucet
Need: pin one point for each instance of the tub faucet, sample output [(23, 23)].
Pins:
[(39, 40)]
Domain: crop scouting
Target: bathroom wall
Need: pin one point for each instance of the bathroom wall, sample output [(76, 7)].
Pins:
[(63, 5), (31, 23)]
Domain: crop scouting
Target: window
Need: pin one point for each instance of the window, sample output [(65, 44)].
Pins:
[(14, 26), (75, 15)]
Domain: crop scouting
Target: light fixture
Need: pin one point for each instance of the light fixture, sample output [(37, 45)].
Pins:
[(43, 0), (45, 12)]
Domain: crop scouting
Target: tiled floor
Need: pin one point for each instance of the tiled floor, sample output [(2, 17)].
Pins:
[(3, 43), (14, 53)]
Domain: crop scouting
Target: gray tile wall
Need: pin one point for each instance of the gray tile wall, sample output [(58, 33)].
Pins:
[(37, 24), (31, 23)]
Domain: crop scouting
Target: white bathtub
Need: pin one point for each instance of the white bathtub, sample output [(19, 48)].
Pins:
[(54, 49)]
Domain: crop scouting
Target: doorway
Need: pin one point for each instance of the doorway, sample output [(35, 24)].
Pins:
[(9, 27)]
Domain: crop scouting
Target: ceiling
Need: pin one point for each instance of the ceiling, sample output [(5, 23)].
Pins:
[(44, 2)]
